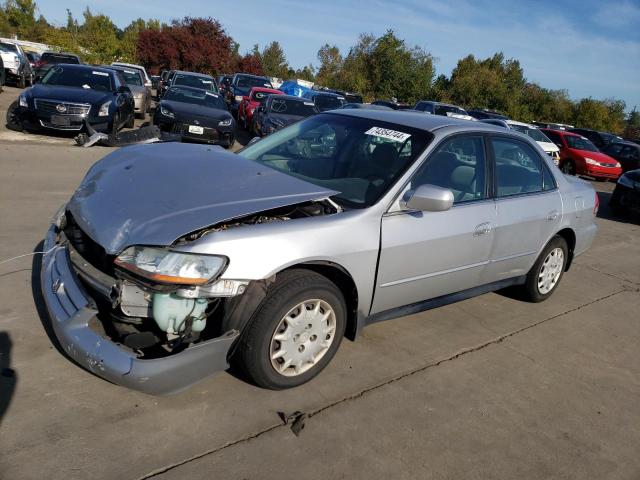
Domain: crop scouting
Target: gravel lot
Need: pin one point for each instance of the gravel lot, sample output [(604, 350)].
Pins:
[(487, 388)]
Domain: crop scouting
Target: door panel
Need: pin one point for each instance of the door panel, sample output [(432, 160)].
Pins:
[(427, 254), (528, 207)]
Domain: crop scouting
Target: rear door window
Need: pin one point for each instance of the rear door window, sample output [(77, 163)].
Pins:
[(518, 168)]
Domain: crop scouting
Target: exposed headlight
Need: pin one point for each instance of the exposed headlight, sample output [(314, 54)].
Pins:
[(166, 112), (590, 161), (104, 109), (165, 266), (23, 101), (238, 98), (225, 123), (625, 181), (618, 165)]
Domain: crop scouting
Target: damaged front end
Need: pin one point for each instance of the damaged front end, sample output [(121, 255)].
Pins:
[(153, 337), (144, 312)]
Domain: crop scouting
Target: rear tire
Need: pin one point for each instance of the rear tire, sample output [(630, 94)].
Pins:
[(545, 275), (304, 317)]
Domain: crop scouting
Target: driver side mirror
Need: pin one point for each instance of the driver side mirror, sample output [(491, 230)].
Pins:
[(123, 89), (428, 198)]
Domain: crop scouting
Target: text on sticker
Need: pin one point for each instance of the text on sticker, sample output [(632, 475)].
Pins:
[(102, 74), (389, 134)]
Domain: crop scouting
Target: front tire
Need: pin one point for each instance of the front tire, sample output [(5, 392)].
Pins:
[(130, 123), (295, 332), (568, 167), (545, 275)]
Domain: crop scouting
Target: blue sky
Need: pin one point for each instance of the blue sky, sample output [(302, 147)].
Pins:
[(589, 47)]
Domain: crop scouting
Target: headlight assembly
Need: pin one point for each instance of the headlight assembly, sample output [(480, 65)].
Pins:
[(165, 266), (590, 161), (23, 101), (225, 123), (166, 112), (104, 109)]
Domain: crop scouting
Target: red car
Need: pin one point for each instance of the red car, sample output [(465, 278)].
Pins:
[(248, 105), (578, 156)]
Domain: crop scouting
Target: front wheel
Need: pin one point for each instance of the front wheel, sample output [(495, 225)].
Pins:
[(568, 167), (295, 332), (545, 275), (130, 123)]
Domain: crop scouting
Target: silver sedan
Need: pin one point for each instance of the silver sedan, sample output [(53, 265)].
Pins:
[(172, 260)]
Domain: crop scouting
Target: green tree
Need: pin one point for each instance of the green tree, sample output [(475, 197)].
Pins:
[(99, 37), (19, 17), (330, 66), (274, 61)]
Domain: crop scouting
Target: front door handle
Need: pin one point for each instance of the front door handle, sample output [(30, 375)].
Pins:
[(482, 229), (553, 215)]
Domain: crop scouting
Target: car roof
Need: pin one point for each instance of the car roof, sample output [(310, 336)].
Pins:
[(250, 75), (194, 74), (420, 121), (195, 89), (122, 64), (515, 122), (562, 132)]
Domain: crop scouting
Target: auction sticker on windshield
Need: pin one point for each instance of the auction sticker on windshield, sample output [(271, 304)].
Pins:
[(102, 74), (388, 134)]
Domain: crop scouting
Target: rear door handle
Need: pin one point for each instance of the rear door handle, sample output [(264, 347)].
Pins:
[(482, 229), (553, 215)]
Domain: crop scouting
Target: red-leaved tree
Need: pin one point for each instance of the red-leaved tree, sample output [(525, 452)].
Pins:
[(192, 44)]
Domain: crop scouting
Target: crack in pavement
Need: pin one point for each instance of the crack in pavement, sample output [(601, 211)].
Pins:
[(365, 391), (613, 275)]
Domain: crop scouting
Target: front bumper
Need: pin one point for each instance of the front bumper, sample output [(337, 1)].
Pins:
[(34, 119), (602, 172), (73, 313), (210, 135)]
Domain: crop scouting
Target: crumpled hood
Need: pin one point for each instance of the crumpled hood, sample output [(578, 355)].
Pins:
[(70, 94), (154, 194)]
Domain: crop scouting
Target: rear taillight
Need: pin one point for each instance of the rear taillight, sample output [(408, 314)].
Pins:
[(597, 205)]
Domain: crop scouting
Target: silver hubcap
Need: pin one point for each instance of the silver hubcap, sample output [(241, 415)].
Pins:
[(303, 337), (550, 271)]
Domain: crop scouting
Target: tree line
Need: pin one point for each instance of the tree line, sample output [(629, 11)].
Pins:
[(377, 67)]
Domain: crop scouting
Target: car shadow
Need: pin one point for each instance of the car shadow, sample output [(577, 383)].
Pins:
[(8, 376), (605, 212)]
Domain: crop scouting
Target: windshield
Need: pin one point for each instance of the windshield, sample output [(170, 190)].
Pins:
[(195, 81), (292, 107), (131, 77), (444, 109), (360, 158), (79, 77), (9, 47), (534, 133), (53, 58), (580, 143), (328, 102), (196, 97), (244, 82)]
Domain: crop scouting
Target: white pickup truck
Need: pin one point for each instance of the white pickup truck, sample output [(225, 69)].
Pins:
[(15, 63)]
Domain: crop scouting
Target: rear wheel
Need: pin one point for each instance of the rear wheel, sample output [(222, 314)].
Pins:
[(295, 332), (568, 167), (546, 273)]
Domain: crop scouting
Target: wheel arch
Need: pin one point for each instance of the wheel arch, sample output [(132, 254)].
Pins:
[(338, 275), (570, 237)]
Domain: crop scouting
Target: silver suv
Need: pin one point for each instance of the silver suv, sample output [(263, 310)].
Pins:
[(172, 260)]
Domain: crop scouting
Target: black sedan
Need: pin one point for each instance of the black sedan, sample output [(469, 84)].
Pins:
[(626, 196), (70, 95), (196, 115), (279, 111), (627, 153)]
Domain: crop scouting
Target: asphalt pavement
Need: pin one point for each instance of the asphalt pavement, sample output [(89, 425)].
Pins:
[(491, 387)]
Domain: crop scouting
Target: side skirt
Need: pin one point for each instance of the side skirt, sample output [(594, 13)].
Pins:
[(443, 300)]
